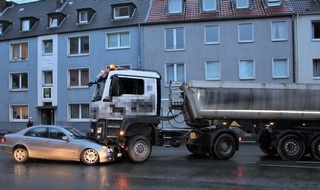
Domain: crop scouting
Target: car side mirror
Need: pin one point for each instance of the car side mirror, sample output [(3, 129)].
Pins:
[(65, 138)]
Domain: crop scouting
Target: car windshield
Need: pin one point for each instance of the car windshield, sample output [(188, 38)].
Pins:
[(99, 91), (75, 134)]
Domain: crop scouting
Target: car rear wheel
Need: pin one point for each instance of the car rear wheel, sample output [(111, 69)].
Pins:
[(20, 155), (90, 156)]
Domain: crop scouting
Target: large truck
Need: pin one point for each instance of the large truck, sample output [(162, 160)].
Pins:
[(126, 112)]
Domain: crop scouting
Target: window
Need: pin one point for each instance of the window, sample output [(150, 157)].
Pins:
[(316, 68), (19, 113), (19, 81), (174, 6), (212, 34), (272, 3), (316, 30), (83, 17), (174, 72), (121, 12), (242, 4), (118, 40), (25, 25), (37, 132), (47, 92), (279, 30), (79, 45), (280, 68), (212, 70), (78, 111), (131, 86), (1, 29), (56, 133), (47, 77), (78, 77), (245, 32), (47, 47), (174, 38), (209, 5), (19, 51), (246, 69), (53, 22)]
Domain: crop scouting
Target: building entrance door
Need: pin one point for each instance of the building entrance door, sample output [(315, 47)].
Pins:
[(47, 117)]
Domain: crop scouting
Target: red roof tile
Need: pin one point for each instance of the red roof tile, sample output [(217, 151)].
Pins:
[(226, 9)]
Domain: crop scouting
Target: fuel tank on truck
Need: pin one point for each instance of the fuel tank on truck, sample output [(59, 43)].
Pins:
[(245, 100)]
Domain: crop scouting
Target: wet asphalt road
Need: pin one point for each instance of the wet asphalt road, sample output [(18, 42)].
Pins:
[(167, 168)]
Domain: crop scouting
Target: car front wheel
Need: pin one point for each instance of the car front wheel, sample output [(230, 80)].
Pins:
[(20, 155), (90, 156)]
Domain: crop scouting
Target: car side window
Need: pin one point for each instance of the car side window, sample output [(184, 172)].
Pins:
[(37, 132), (56, 134)]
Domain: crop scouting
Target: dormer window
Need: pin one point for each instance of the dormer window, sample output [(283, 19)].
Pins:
[(85, 15), (242, 4), (273, 3), (4, 25), (209, 5), (175, 6), (28, 23), (123, 11), (55, 19)]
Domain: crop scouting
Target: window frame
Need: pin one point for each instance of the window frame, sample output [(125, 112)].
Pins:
[(285, 31), (274, 3), (315, 37), (175, 10), (313, 67), (242, 7), (20, 82), (79, 119), (252, 33), (219, 70), (25, 25), (79, 53), (86, 17), (174, 39), (246, 77), (44, 47), (204, 5), (118, 40), (79, 78), (20, 106), (206, 34), (21, 51), (118, 10), (175, 73), (274, 67)]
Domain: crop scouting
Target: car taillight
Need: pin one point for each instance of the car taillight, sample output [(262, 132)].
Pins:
[(3, 140)]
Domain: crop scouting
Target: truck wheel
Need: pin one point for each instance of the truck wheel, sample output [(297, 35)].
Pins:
[(139, 149), (290, 147), (315, 149), (20, 155), (196, 149), (224, 147), (268, 151)]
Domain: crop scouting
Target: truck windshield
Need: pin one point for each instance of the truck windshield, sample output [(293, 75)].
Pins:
[(99, 91)]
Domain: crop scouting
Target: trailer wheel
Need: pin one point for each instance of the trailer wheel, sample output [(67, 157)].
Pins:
[(139, 149), (196, 149), (224, 147), (315, 149), (291, 147)]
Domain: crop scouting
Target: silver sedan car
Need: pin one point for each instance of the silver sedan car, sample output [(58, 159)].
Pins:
[(56, 143)]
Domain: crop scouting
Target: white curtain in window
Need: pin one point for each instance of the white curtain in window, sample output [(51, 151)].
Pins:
[(170, 73), (84, 111), (74, 109), (246, 70), (213, 70), (112, 40), (278, 30), (180, 73), (280, 68), (124, 39)]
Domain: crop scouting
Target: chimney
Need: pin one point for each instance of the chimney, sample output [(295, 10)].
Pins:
[(59, 3), (3, 5)]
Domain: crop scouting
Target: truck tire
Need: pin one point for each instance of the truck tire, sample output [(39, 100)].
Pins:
[(195, 149), (265, 142), (315, 149), (224, 147), (139, 149), (291, 147)]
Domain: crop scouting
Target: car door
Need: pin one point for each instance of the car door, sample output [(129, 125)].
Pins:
[(59, 149), (34, 140)]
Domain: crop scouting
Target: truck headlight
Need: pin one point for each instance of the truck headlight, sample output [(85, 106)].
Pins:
[(99, 130)]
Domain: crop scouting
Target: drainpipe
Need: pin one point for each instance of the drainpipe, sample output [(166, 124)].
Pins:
[(295, 38)]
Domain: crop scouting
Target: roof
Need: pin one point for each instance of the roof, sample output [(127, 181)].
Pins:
[(226, 10), (40, 10), (306, 6)]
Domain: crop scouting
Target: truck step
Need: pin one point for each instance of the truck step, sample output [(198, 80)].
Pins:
[(112, 136)]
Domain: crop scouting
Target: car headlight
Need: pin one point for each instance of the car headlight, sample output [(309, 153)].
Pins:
[(108, 149)]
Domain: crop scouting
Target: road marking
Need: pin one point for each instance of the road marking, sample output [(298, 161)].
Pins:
[(289, 166)]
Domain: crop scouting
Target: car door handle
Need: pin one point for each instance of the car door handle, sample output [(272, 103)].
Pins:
[(48, 141), (27, 139)]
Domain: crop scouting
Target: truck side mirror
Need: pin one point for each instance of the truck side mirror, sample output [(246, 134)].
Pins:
[(114, 87)]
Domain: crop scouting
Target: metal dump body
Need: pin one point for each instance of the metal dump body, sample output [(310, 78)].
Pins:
[(244, 100)]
